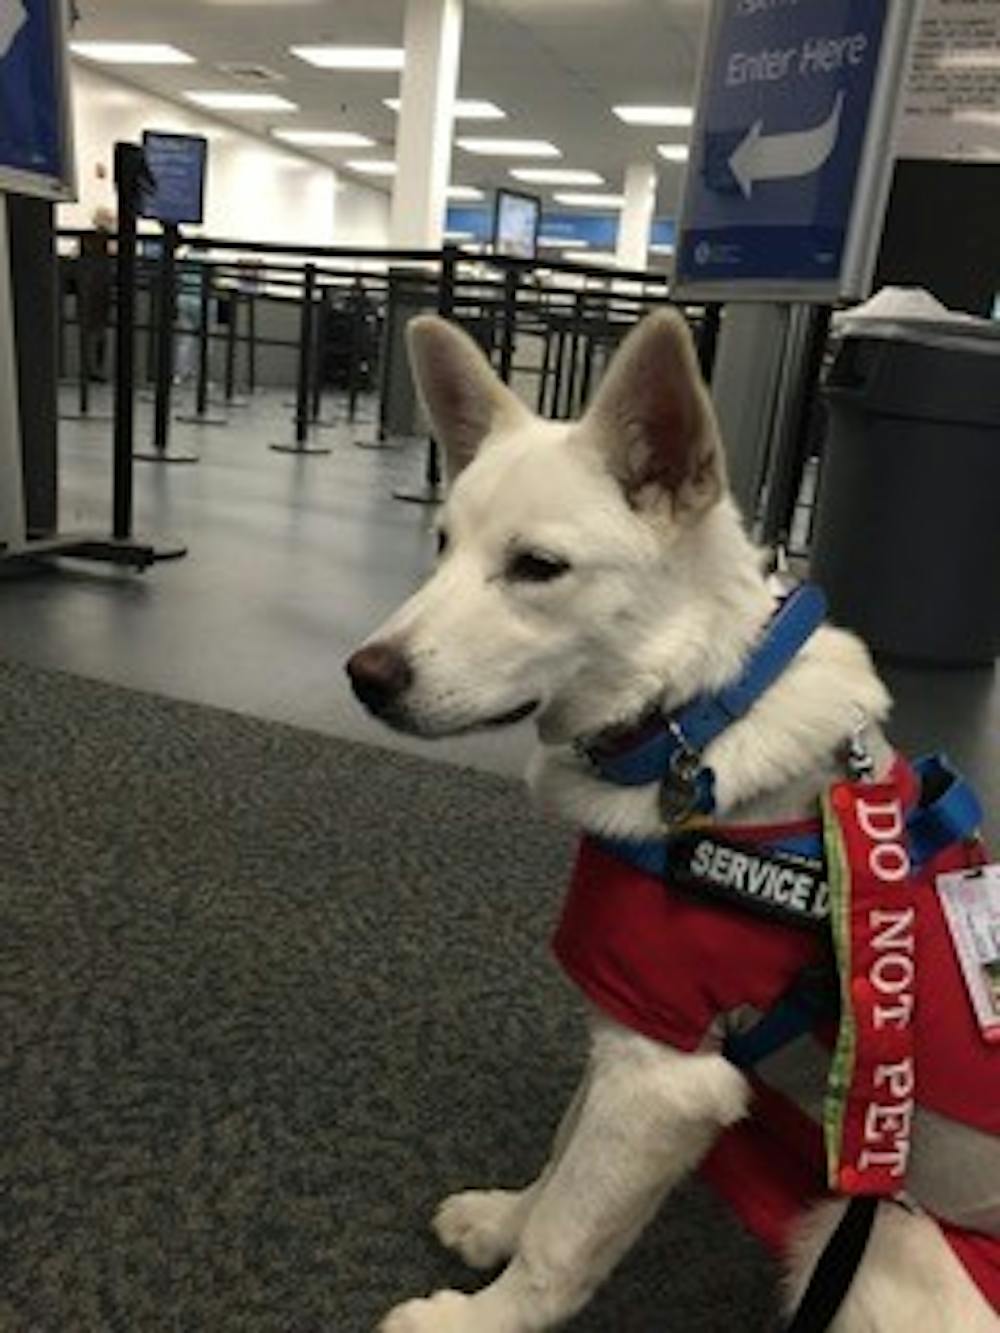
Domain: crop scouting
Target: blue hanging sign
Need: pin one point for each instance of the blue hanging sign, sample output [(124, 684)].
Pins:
[(598, 230), (177, 164), (34, 120), (790, 152)]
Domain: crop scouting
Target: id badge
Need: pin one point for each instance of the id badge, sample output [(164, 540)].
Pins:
[(971, 903)]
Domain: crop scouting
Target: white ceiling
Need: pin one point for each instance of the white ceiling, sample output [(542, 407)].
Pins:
[(555, 66)]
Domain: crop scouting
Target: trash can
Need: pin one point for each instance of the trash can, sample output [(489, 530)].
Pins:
[(906, 539)]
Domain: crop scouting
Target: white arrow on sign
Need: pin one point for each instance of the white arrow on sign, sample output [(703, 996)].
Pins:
[(772, 157), (12, 18)]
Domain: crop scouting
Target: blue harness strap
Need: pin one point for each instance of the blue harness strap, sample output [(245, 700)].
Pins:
[(649, 754)]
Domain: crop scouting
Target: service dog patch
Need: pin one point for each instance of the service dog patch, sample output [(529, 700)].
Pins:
[(776, 884)]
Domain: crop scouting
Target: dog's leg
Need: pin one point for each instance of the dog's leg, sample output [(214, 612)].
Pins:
[(909, 1278), (648, 1116), (484, 1226)]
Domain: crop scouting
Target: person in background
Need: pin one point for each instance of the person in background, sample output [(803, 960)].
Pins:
[(95, 280)]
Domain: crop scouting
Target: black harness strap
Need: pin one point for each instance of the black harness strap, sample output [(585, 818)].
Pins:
[(835, 1269)]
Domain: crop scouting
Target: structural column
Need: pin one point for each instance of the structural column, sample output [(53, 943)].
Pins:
[(636, 222), (433, 39)]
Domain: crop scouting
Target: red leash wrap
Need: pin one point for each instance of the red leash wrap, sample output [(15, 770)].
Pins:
[(869, 1108)]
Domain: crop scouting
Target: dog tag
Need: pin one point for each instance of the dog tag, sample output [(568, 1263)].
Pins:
[(971, 903)]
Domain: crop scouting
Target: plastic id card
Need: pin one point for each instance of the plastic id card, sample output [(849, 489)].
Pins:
[(971, 902)]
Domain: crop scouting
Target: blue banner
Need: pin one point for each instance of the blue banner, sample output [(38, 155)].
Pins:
[(31, 90), (788, 89), (598, 230)]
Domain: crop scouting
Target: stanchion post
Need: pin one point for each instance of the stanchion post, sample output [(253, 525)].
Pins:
[(204, 320), (129, 167), (200, 416), (252, 342), (708, 339), (316, 362), (510, 286), (87, 277), (166, 306), (234, 310), (430, 492), (130, 175), (306, 349), (82, 278), (165, 335), (355, 306)]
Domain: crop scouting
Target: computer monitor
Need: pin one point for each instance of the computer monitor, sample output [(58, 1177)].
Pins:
[(176, 164), (516, 220)]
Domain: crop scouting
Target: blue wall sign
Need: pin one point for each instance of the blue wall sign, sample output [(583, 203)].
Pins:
[(598, 230), (177, 163), (788, 87), (32, 98)]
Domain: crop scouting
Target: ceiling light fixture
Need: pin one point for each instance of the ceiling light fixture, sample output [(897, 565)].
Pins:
[(673, 152), (372, 166), (352, 57), (465, 109), (510, 147), (556, 176), (583, 199), (324, 138), (132, 53), (229, 101), (467, 192), (655, 115)]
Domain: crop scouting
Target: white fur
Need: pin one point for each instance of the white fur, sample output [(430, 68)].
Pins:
[(662, 600)]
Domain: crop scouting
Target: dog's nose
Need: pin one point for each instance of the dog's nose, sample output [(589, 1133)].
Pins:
[(379, 674)]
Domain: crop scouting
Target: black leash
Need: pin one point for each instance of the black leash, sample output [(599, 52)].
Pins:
[(835, 1269)]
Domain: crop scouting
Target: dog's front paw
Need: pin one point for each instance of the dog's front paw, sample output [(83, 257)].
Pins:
[(483, 1226), (444, 1312)]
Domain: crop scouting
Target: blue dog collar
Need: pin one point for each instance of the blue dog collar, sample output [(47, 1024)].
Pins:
[(669, 749)]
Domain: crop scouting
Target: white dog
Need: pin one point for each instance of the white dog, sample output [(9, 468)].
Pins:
[(589, 572)]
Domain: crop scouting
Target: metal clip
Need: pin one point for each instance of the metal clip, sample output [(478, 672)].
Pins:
[(679, 790), (857, 758)]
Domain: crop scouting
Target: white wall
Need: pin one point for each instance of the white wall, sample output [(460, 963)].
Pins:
[(255, 191)]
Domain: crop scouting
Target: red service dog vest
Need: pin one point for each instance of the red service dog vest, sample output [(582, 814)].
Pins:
[(677, 969)]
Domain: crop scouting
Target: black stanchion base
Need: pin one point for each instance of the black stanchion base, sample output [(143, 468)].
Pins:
[(380, 446), (422, 495), (140, 552), (299, 449), (227, 403), (193, 419), (134, 552), (97, 418), (164, 456)]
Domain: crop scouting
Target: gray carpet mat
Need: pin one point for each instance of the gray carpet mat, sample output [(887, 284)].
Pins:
[(265, 997)]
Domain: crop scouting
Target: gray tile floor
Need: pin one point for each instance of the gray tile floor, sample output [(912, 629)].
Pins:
[(292, 561)]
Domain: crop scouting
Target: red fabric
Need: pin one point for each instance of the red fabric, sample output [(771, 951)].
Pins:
[(667, 965)]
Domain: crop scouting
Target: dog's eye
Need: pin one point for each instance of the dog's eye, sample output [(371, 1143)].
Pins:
[(535, 567), (442, 541)]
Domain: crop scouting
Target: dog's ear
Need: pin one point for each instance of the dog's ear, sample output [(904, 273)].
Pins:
[(653, 418), (465, 400)]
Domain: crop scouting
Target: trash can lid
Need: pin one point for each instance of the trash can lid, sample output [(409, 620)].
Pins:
[(978, 337), (912, 314)]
